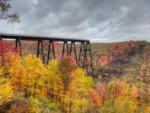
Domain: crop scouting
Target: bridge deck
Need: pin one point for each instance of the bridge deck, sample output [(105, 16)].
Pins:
[(32, 37)]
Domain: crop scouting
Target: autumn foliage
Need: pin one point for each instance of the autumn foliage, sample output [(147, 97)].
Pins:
[(117, 96), (60, 83), (119, 50), (29, 86)]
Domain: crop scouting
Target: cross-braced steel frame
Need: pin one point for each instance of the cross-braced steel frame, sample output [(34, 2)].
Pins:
[(79, 49)]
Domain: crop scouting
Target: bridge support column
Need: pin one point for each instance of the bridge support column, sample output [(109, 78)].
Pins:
[(85, 57), (73, 48), (18, 47), (51, 49), (40, 51), (45, 50), (2, 58), (69, 49), (65, 49)]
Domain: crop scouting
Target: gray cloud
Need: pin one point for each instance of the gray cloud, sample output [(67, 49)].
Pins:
[(97, 20)]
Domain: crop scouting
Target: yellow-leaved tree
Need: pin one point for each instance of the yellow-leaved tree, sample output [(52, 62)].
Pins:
[(69, 85), (28, 75), (6, 90)]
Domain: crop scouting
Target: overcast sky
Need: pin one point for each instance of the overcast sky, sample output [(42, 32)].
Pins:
[(97, 20)]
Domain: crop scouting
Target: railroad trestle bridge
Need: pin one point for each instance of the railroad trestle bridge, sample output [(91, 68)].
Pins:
[(79, 49)]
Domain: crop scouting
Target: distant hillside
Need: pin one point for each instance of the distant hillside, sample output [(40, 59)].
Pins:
[(123, 59)]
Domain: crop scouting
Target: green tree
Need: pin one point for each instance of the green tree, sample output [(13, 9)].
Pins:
[(5, 6)]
